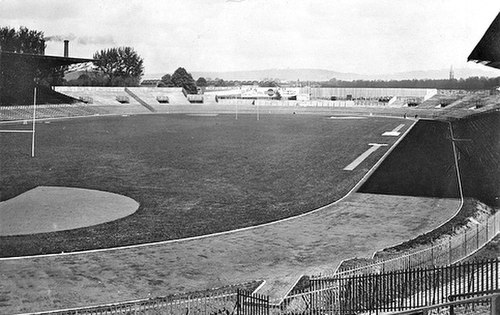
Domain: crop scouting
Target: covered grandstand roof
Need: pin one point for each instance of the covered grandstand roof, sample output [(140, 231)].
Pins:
[(51, 61), (487, 51)]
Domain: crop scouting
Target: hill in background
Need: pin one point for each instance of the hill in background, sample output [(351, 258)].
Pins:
[(325, 75)]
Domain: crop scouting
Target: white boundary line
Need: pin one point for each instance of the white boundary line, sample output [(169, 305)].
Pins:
[(30, 131), (374, 147), (259, 287), (188, 239)]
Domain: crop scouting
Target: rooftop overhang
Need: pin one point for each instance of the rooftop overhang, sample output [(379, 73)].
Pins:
[(487, 51), (40, 60)]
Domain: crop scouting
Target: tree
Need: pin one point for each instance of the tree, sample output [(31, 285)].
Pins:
[(181, 78), (122, 65), (22, 41), (21, 76), (166, 81), (201, 81)]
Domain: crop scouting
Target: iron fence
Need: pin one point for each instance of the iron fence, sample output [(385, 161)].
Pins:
[(251, 304), (393, 290), (217, 302)]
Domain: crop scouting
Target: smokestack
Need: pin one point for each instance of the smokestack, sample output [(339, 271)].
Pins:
[(66, 48), (43, 47)]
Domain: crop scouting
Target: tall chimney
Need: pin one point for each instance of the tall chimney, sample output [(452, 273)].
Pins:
[(43, 47), (66, 48)]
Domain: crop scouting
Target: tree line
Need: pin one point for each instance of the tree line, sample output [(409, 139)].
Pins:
[(471, 83), (22, 40), (123, 66)]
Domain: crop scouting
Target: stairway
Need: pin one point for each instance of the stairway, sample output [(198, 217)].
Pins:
[(138, 99)]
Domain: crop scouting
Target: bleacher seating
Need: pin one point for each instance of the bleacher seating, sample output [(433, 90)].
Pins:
[(49, 111), (97, 95), (195, 98), (150, 95), (114, 95), (440, 101)]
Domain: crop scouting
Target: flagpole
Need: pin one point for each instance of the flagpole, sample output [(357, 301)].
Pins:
[(33, 129)]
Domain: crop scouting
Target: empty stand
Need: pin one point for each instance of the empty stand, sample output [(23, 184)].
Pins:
[(150, 95), (139, 100), (97, 95), (440, 101), (49, 111)]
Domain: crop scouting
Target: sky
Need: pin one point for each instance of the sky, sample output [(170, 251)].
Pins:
[(351, 36)]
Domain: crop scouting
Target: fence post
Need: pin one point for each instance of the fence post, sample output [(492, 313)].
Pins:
[(477, 236), (238, 301), (432, 254), (494, 223), (449, 250), (465, 243)]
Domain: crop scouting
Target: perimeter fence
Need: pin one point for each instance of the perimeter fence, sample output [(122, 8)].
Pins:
[(223, 301), (394, 290)]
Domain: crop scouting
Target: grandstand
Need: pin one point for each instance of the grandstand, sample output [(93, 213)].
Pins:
[(367, 93), (17, 77), (107, 95)]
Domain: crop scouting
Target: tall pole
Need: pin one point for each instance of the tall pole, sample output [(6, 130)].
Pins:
[(236, 109), (33, 131), (257, 110)]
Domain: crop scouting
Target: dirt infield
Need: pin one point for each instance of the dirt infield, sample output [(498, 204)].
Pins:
[(49, 209)]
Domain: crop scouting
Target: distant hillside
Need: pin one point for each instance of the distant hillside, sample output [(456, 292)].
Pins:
[(325, 75), (282, 74)]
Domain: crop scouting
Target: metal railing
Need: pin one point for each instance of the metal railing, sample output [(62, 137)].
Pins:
[(394, 290), (211, 302)]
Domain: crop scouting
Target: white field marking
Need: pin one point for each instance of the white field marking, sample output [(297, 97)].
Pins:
[(347, 117), (363, 156), (395, 132), (30, 131), (203, 115), (186, 239)]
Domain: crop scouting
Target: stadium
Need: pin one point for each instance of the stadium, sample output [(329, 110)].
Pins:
[(152, 200)]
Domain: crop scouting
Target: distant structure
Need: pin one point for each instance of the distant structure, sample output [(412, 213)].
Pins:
[(151, 82), (452, 74)]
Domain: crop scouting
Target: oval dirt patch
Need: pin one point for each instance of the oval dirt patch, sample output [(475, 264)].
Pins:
[(49, 209)]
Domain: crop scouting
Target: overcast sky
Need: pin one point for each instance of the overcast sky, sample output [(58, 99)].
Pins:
[(358, 36)]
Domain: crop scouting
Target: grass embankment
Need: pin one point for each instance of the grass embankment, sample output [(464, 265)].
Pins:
[(191, 175), (421, 165)]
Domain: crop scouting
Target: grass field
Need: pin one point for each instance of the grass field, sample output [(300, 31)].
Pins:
[(191, 175)]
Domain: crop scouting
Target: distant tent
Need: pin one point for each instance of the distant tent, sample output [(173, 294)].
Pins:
[(487, 51)]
